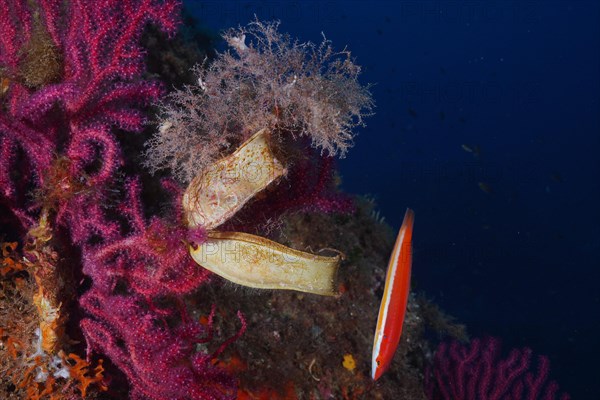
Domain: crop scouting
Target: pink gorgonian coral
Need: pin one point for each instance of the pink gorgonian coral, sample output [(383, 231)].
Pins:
[(478, 372), (71, 72)]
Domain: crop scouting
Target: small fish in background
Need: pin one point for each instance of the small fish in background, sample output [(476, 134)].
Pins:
[(475, 150), (395, 299), (412, 112), (442, 115), (487, 189), (467, 148)]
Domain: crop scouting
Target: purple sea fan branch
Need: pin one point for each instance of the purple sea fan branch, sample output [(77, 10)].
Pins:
[(159, 358), (153, 260), (52, 17), (94, 81), (477, 372), (34, 143), (160, 363), (57, 134), (15, 29)]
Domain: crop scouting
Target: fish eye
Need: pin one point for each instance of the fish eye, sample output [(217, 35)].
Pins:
[(378, 362)]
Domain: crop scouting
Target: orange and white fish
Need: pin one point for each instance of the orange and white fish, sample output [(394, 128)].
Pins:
[(395, 299)]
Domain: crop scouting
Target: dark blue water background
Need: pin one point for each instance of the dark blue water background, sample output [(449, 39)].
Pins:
[(519, 81)]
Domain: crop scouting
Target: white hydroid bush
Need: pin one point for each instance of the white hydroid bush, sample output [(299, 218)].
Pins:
[(264, 80)]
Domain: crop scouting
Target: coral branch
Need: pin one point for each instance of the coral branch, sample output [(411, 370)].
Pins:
[(71, 72), (478, 372), (159, 363)]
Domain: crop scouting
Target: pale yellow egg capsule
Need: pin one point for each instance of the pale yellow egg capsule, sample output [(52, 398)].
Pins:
[(217, 193), (224, 187), (257, 262)]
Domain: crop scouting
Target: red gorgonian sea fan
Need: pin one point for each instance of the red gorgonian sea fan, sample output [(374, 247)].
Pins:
[(477, 372), (70, 73)]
